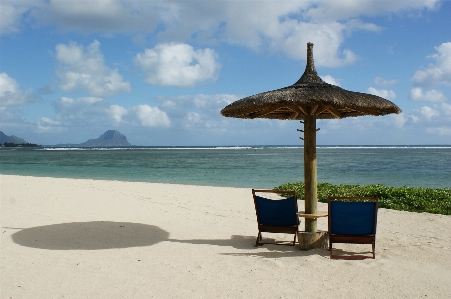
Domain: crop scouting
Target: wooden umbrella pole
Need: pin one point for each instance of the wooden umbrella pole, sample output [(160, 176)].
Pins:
[(310, 191)]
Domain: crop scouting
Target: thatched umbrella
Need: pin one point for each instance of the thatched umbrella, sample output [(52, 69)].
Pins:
[(308, 99)]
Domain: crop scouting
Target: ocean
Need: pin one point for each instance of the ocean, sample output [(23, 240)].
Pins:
[(237, 166)]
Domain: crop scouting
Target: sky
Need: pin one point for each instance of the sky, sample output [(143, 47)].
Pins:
[(160, 71)]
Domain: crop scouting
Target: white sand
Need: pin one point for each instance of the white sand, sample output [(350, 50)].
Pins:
[(67, 238)]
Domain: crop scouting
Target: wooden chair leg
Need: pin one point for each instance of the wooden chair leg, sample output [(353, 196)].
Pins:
[(330, 248), (374, 249), (259, 238)]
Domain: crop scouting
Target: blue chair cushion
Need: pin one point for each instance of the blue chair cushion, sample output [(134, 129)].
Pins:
[(276, 212), (352, 218)]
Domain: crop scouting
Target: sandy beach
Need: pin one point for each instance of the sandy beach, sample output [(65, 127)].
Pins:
[(68, 238)]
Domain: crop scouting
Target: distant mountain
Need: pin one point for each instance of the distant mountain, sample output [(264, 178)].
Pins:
[(10, 139), (109, 138)]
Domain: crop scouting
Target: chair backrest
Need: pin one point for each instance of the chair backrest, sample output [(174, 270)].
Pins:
[(276, 212), (353, 216)]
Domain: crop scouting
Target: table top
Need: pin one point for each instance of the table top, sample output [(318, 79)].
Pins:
[(312, 216)]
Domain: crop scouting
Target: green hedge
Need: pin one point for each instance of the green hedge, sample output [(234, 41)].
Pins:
[(437, 201)]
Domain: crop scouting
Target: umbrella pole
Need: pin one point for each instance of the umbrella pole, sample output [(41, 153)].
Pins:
[(310, 188)]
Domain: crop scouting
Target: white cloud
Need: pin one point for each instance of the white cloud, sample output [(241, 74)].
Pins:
[(438, 73), (178, 65), (437, 115), (117, 113), (441, 131), (431, 120), (445, 109), (384, 82), (150, 116), (193, 119), (433, 95), (211, 103), (435, 120), (331, 80), (47, 125), (339, 10), (80, 112), (102, 16), (284, 26), (11, 94), (11, 14), (199, 111), (399, 119), (274, 26), (81, 68), (386, 94), (291, 36), (11, 117), (426, 113), (88, 111)]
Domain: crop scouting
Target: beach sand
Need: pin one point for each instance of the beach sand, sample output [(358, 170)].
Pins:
[(74, 238)]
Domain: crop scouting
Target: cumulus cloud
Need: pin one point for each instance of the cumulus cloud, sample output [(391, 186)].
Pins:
[(81, 68), (10, 117), (383, 93), (285, 26), (178, 65), (435, 119), (117, 113), (11, 94), (384, 82), (425, 121), (150, 116), (11, 14), (425, 113), (432, 120), (331, 80), (436, 73), (433, 95), (199, 111), (441, 131), (399, 120), (276, 26), (101, 16), (88, 111), (339, 10), (47, 125), (212, 103)]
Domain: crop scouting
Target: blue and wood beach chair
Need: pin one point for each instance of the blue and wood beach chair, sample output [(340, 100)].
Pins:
[(352, 220), (276, 215)]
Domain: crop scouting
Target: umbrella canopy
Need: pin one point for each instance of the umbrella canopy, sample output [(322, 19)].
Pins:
[(308, 99), (310, 95)]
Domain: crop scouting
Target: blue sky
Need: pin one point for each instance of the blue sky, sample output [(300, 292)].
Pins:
[(160, 71)]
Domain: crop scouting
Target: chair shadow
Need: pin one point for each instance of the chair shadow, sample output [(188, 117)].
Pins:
[(341, 254), (93, 235)]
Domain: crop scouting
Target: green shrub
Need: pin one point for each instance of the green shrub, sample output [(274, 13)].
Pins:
[(437, 201)]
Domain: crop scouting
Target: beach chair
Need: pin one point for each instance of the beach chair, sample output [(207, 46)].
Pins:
[(276, 215), (352, 220)]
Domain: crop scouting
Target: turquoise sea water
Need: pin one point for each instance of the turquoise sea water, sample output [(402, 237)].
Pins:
[(251, 167)]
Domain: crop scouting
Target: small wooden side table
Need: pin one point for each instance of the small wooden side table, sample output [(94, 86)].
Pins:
[(312, 216), (317, 239)]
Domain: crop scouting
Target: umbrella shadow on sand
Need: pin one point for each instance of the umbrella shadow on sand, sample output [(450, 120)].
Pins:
[(98, 235), (93, 235)]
